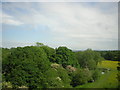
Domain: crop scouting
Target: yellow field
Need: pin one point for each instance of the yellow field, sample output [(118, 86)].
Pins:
[(108, 64)]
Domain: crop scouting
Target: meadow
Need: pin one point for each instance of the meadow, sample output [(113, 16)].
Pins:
[(108, 64), (106, 80)]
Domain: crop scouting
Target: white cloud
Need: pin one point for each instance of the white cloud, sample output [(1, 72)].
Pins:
[(72, 24), (7, 19), (13, 44), (73, 20)]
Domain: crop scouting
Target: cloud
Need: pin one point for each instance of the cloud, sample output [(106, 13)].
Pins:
[(7, 19), (72, 24), (9, 44), (79, 21)]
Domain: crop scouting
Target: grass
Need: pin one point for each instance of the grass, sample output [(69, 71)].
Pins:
[(107, 80), (108, 64)]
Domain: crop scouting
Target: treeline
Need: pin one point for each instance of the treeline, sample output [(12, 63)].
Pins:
[(113, 55), (41, 66)]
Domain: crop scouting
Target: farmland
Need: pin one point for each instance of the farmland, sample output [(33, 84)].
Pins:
[(107, 80), (108, 64)]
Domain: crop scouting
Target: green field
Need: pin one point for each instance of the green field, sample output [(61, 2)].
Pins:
[(108, 64), (107, 80)]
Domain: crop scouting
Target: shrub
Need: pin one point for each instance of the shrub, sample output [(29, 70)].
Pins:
[(80, 77), (57, 78), (96, 74)]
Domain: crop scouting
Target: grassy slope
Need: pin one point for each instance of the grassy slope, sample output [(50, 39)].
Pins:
[(107, 80)]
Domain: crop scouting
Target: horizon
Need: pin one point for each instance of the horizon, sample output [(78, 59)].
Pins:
[(74, 50), (78, 26)]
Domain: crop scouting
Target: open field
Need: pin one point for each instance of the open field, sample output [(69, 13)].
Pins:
[(107, 80), (108, 64)]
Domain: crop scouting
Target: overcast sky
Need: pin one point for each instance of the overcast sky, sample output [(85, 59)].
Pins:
[(75, 25)]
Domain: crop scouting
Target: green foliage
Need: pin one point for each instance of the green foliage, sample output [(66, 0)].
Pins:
[(51, 75), (26, 66), (88, 58), (95, 74), (39, 44), (6, 85), (106, 80), (111, 55), (41, 66), (5, 54), (80, 77), (64, 77), (30, 66), (118, 75), (57, 78), (51, 55), (65, 57)]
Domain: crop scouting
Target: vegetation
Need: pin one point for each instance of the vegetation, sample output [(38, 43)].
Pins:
[(80, 77), (88, 58), (118, 75), (66, 57), (41, 66), (111, 55), (107, 80), (108, 64)]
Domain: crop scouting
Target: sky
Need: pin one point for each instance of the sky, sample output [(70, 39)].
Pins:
[(76, 25)]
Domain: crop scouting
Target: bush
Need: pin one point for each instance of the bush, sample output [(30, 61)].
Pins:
[(96, 74), (6, 85), (80, 77), (57, 78)]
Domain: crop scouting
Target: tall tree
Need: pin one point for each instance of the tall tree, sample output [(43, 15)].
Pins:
[(27, 66), (65, 57), (88, 58)]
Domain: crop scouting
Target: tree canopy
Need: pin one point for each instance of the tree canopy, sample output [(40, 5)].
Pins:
[(88, 58), (41, 66), (65, 57)]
